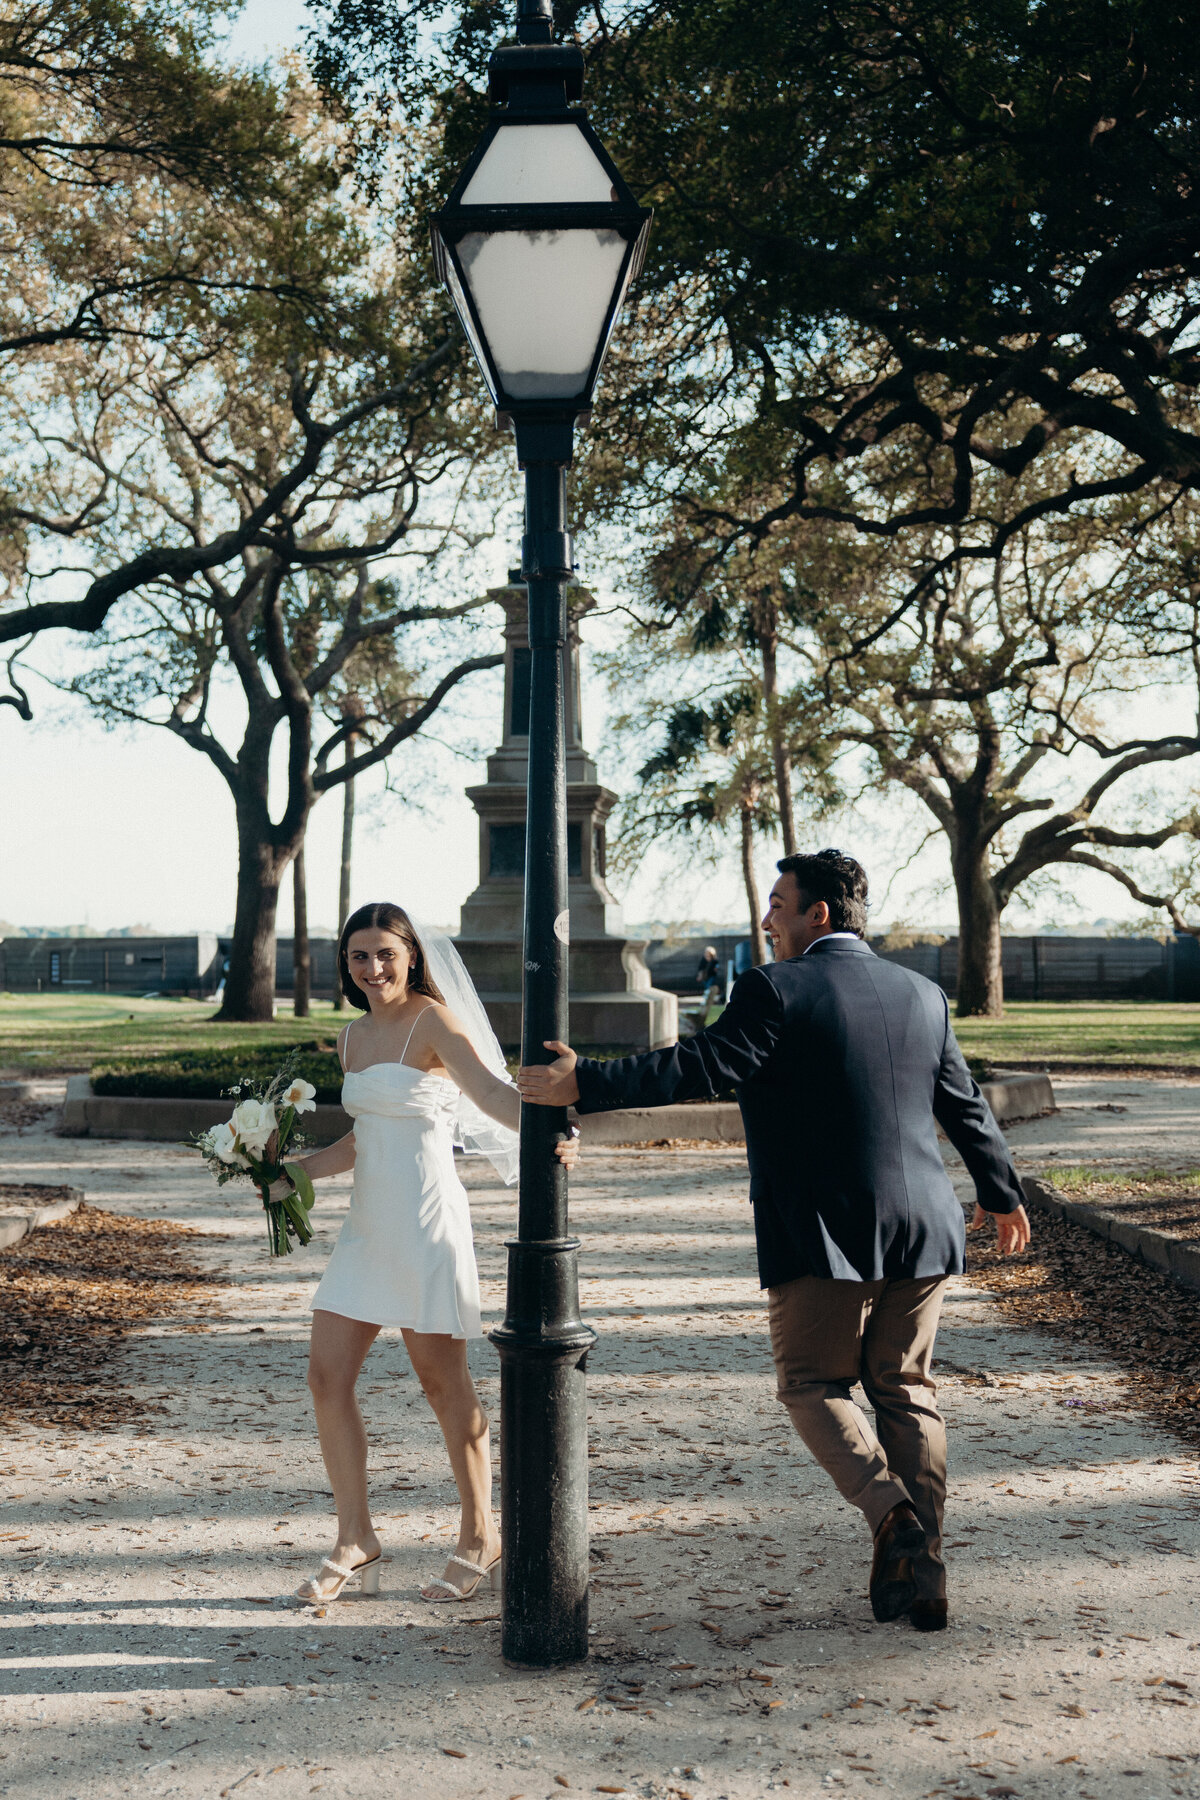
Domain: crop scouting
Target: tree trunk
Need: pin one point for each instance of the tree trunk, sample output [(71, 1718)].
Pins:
[(301, 960), (780, 755), (980, 976), (340, 1001), (250, 982), (758, 938)]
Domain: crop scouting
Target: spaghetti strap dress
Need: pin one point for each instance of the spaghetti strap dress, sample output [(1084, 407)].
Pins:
[(405, 1254)]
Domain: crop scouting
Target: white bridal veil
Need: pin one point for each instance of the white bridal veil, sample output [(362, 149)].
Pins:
[(474, 1130)]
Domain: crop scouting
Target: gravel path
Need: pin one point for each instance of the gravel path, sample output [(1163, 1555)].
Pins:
[(147, 1647)]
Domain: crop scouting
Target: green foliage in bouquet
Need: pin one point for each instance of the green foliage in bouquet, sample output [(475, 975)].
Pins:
[(252, 1144)]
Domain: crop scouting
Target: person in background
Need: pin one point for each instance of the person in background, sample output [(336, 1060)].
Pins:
[(708, 979)]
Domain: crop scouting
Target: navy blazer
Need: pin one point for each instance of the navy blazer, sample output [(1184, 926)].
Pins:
[(844, 1065)]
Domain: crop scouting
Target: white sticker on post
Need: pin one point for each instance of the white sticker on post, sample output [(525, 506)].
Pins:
[(562, 928)]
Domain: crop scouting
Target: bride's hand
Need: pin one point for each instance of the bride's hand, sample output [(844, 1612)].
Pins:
[(567, 1149)]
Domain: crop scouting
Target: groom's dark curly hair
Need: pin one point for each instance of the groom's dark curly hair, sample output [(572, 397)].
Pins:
[(838, 880)]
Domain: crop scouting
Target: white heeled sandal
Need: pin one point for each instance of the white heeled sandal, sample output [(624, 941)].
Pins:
[(491, 1572), (369, 1571)]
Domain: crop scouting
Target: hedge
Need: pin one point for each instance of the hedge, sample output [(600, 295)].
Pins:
[(209, 1074)]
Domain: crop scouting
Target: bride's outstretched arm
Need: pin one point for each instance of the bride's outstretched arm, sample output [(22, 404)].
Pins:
[(493, 1095)]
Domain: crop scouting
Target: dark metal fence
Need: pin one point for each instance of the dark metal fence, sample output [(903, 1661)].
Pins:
[(111, 965), (322, 976), (1035, 968), (144, 965)]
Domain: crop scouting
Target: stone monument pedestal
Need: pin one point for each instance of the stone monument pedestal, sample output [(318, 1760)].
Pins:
[(613, 1004)]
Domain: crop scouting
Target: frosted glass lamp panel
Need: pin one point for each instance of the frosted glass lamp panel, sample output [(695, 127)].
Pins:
[(465, 319), (538, 165), (543, 300), (614, 315)]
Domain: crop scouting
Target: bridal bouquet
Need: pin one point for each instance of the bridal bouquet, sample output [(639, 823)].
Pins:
[(252, 1145)]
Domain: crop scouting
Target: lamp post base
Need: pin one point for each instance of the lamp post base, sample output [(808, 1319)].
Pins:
[(543, 1457)]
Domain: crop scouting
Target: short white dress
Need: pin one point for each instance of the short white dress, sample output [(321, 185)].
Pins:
[(405, 1254)]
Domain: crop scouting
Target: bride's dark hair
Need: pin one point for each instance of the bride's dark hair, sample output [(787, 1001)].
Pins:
[(383, 916)]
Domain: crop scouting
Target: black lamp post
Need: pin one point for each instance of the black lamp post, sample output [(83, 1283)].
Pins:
[(537, 244)]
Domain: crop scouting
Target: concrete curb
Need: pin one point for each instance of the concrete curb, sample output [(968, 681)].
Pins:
[(1011, 1097), (17, 1090), (720, 1121), (16, 1225), (1170, 1256), (86, 1114)]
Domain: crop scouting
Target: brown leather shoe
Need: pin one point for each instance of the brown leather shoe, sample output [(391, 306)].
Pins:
[(928, 1614), (900, 1537)]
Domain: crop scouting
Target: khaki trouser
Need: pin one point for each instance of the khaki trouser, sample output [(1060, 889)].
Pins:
[(826, 1335)]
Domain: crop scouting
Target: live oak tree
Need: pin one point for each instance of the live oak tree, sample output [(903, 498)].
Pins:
[(304, 481), (168, 661), (149, 191), (951, 235), (99, 98), (1034, 706), (109, 113), (901, 253)]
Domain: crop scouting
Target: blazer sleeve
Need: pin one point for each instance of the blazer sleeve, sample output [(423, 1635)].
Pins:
[(967, 1120), (724, 1054)]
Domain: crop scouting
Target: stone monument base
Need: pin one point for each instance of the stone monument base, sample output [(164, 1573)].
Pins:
[(613, 1005), (614, 1022)]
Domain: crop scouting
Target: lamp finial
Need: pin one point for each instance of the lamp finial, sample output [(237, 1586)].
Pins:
[(535, 21)]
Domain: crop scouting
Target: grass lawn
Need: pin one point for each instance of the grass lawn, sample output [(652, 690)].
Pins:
[(1050, 1034), (1040, 1034), (43, 1032)]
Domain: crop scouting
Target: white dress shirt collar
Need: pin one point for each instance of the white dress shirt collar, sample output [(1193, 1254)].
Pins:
[(832, 934)]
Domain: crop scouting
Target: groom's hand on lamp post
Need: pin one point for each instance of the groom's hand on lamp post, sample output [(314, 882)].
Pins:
[(1013, 1230), (551, 1084)]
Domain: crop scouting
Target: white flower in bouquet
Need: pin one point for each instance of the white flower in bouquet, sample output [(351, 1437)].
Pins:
[(256, 1142), (254, 1121), (221, 1142)]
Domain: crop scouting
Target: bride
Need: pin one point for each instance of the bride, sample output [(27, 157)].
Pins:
[(418, 1077)]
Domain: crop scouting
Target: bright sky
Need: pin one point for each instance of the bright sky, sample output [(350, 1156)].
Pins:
[(268, 25), (116, 828)]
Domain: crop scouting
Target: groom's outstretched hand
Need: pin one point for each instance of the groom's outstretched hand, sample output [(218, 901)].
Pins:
[(551, 1084)]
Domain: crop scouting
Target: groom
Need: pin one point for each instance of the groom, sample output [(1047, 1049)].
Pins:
[(844, 1067)]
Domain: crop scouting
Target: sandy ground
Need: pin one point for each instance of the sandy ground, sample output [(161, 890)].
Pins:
[(147, 1645)]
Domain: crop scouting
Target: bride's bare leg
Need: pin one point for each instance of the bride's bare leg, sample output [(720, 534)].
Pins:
[(337, 1352), (441, 1366)]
